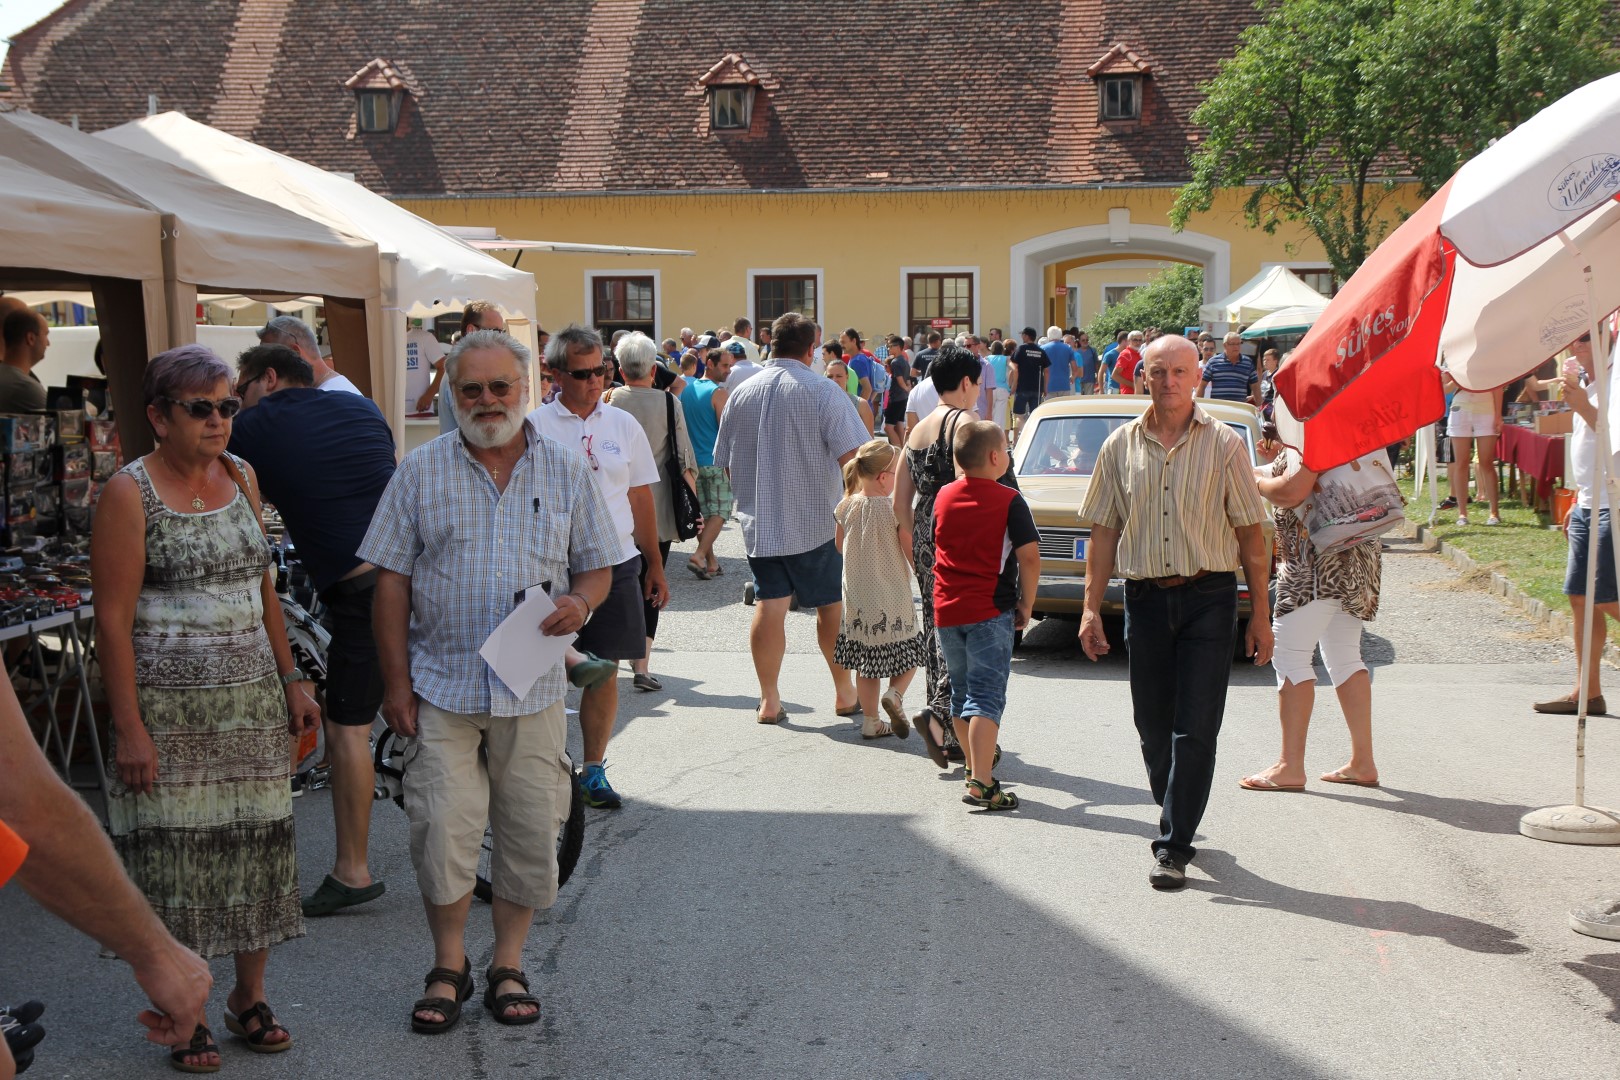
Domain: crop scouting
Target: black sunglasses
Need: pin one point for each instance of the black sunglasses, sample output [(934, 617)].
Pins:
[(598, 372), (472, 391), (202, 408)]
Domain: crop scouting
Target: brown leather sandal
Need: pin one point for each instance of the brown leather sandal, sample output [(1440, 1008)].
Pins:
[(498, 1005), (236, 1024), (450, 1010)]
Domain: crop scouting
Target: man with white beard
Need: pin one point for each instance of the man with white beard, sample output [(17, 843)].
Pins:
[(469, 523)]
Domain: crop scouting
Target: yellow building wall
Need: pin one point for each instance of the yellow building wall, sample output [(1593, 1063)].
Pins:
[(861, 244)]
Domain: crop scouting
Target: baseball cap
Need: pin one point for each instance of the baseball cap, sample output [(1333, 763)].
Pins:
[(708, 341), (735, 348)]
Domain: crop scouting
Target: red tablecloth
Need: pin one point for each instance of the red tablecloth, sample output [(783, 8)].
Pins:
[(1540, 456)]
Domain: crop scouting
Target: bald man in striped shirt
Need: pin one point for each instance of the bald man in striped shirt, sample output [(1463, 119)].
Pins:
[(1173, 508)]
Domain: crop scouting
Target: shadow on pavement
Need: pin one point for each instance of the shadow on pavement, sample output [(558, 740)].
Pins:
[(1234, 885), (1474, 815), (1602, 970)]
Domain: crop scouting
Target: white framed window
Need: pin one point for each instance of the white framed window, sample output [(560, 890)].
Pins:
[(932, 294), (624, 300), (1121, 97), (1116, 294), (773, 292), (730, 107)]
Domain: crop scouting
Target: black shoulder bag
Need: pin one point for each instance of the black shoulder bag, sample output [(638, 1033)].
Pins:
[(688, 513)]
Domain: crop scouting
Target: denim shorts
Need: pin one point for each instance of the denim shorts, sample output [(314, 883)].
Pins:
[(979, 656), (816, 576), (1579, 542)]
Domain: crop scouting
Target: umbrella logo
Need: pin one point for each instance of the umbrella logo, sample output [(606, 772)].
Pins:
[(1563, 323), (1585, 183)]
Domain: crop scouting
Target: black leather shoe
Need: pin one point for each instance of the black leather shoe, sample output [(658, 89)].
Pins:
[(1167, 872)]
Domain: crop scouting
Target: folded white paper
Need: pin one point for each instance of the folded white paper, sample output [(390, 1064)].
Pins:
[(517, 651)]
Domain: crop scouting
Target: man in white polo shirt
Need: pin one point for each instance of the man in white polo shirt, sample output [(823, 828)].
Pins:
[(614, 446)]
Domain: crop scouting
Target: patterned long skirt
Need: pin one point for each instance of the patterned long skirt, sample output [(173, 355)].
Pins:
[(211, 845), (937, 675)]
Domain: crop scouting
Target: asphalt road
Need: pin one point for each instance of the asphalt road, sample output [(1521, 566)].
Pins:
[(793, 902)]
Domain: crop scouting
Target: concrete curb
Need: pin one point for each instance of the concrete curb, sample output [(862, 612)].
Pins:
[(1557, 621)]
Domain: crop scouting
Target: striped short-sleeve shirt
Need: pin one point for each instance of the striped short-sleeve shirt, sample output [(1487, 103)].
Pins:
[(1175, 507), (1230, 380)]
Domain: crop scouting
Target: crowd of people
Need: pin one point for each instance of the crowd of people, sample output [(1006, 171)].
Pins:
[(851, 481)]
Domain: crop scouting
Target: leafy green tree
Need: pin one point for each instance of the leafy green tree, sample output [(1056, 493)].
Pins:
[(1170, 302), (1329, 104)]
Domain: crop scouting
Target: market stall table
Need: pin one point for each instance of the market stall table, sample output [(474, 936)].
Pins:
[(41, 684), (1540, 457)]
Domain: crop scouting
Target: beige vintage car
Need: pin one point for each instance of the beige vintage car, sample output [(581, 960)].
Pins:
[(1054, 459)]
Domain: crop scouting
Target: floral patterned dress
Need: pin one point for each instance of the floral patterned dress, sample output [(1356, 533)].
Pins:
[(211, 845)]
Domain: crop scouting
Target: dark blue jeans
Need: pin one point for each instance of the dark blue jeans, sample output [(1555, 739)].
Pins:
[(1181, 642)]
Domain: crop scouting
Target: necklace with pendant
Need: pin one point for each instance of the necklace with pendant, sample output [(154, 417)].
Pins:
[(197, 502)]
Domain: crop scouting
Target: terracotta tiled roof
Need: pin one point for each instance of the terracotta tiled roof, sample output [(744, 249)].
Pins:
[(608, 95), (1120, 60)]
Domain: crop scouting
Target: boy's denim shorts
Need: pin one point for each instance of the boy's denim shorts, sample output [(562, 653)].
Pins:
[(979, 656)]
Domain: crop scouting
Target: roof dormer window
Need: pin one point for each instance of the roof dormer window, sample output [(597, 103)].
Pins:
[(381, 90), (374, 111), (729, 107), (1120, 75), (1122, 97), (731, 88)]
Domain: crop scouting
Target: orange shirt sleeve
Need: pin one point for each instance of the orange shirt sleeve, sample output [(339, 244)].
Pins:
[(12, 853)]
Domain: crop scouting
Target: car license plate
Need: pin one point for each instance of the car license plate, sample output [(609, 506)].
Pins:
[(1079, 551)]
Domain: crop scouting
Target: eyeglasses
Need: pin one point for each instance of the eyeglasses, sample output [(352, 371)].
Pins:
[(202, 408), (241, 387), (472, 391), (598, 372), (589, 456)]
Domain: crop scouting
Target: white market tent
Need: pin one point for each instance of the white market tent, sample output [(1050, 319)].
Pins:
[(208, 236), (1268, 291), (424, 270)]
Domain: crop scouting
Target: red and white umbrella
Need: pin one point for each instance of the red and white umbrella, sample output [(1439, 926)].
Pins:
[(1493, 272), (1511, 261)]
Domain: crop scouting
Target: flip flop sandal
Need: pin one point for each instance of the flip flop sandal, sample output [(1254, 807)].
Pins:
[(332, 896), (497, 1005), (1260, 783), (1337, 776), (924, 723), (780, 718), (717, 570), (260, 1013), (989, 796), (854, 710), (701, 573), (202, 1042), (450, 1010)]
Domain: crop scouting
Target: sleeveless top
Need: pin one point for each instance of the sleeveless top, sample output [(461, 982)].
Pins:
[(199, 620)]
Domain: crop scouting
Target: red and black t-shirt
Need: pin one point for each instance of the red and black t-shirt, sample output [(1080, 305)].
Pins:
[(978, 525)]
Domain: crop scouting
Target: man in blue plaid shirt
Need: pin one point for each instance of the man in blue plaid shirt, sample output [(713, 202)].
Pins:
[(468, 524)]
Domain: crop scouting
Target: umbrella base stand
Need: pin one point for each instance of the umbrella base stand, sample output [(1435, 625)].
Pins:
[(1592, 825), (1599, 918)]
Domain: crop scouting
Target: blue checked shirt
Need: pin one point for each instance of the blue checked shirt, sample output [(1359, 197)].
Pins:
[(469, 548), (781, 435)]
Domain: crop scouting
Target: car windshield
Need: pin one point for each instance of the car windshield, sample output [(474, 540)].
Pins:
[(1068, 445)]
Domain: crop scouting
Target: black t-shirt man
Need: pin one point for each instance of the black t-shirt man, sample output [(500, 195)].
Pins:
[(1032, 361), (922, 359)]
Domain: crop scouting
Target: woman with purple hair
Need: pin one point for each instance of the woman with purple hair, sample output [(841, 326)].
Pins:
[(203, 693)]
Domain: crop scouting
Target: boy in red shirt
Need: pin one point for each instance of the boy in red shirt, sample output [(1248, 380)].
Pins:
[(987, 560)]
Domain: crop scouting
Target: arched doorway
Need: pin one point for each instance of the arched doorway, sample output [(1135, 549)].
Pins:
[(1121, 239)]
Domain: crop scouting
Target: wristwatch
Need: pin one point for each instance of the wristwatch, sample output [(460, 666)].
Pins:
[(292, 676)]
